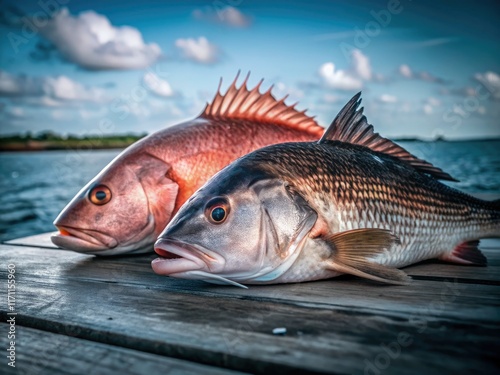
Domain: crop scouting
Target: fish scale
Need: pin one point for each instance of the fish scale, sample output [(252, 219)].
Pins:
[(353, 202), (417, 208)]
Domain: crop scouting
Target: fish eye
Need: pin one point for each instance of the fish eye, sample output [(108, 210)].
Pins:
[(217, 210), (100, 195)]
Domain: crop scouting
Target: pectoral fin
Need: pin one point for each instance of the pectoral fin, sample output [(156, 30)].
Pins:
[(353, 249)]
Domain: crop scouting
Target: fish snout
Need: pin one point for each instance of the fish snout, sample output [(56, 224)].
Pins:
[(177, 257), (82, 240)]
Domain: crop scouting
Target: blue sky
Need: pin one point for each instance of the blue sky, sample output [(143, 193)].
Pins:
[(425, 68)]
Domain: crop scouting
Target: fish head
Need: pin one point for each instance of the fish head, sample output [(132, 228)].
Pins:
[(241, 226), (121, 210)]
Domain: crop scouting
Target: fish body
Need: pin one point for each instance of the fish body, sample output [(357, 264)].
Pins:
[(304, 211), (124, 208)]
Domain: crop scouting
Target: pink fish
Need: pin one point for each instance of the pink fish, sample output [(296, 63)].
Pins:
[(126, 206)]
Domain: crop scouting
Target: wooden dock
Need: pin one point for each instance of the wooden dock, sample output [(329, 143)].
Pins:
[(80, 314)]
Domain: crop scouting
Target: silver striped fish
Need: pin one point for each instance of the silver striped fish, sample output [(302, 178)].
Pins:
[(351, 203)]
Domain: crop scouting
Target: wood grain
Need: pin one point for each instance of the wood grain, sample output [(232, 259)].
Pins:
[(343, 325), (40, 352)]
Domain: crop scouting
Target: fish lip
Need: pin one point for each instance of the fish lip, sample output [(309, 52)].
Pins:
[(90, 241), (189, 257), (82, 240)]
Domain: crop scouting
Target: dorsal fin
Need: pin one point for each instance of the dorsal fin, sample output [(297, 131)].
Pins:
[(242, 103), (351, 126)]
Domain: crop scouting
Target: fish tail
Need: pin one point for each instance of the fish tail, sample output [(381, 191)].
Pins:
[(467, 251)]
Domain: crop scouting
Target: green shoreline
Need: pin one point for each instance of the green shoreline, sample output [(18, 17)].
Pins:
[(48, 141)]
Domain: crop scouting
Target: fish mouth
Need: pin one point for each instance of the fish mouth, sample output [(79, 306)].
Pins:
[(177, 256), (82, 240)]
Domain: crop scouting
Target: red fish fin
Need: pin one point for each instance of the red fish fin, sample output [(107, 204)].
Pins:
[(352, 250), (242, 103), (351, 126), (466, 253)]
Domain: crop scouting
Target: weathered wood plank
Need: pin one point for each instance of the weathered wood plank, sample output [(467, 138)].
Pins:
[(333, 326), (345, 292), (237, 334), (39, 240), (41, 352)]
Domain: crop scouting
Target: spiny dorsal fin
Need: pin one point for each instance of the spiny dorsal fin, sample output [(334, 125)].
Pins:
[(242, 103), (351, 126)]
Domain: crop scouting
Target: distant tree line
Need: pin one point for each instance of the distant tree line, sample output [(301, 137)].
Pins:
[(49, 140)]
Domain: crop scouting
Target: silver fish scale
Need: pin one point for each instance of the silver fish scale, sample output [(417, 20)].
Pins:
[(351, 189)]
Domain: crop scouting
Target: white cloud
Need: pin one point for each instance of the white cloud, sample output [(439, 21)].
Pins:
[(361, 65), (92, 42), (386, 98), (15, 112), (281, 89), (428, 109), (11, 85), (338, 79), (433, 101), (157, 85), (405, 71), (47, 91), (491, 81), (63, 88), (229, 16), (430, 104), (199, 50), (350, 79)]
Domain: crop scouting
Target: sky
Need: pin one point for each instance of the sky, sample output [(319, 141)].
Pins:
[(425, 68)]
